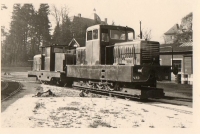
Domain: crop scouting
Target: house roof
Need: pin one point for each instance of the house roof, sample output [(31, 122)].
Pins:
[(176, 48), (186, 44), (86, 21), (79, 41), (172, 30)]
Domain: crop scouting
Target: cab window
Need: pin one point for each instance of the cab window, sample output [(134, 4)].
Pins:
[(117, 34), (89, 35), (95, 34), (105, 37), (130, 35)]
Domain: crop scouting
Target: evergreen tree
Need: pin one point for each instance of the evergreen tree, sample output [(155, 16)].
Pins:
[(66, 35), (27, 19), (14, 39), (44, 25), (57, 35), (28, 29)]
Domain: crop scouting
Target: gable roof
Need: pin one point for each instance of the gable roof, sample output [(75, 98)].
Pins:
[(172, 30), (86, 21), (79, 42)]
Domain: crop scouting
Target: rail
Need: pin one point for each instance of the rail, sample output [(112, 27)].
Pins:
[(12, 91), (128, 97)]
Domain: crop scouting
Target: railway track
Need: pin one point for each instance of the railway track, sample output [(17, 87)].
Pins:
[(16, 79), (174, 109), (11, 89), (4, 85), (129, 97), (110, 93)]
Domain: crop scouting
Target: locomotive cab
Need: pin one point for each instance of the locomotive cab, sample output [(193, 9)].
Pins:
[(100, 40)]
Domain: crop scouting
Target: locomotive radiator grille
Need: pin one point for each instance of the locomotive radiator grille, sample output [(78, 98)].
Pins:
[(149, 52)]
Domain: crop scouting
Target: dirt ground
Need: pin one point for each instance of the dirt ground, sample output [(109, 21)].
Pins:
[(71, 111), (67, 110)]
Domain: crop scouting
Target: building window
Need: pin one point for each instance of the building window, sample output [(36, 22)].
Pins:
[(178, 64), (89, 35)]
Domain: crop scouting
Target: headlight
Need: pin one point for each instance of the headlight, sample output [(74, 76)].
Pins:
[(140, 70), (136, 77)]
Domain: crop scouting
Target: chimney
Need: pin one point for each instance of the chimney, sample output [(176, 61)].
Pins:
[(106, 20), (79, 15), (94, 12)]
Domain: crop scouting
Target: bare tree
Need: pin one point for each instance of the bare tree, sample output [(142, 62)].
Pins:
[(3, 6), (164, 38), (62, 29), (61, 14), (146, 34), (56, 14), (113, 23), (64, 12)]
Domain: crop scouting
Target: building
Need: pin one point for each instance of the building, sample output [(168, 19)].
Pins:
[(180, 33), (170, 35), (79, 24), (182, 59), (77, 43), (179, 43)]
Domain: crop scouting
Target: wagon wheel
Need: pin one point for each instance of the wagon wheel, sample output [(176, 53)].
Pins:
[(43, 82), (59, 83), (127, 98), (65, 84)]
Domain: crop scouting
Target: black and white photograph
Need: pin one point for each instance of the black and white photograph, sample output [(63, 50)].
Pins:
[(76, 64)]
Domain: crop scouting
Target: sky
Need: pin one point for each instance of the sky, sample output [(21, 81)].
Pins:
[(155, 15)]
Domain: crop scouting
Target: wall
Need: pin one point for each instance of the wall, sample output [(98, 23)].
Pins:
[(169, 39), (186, 66), (166, 60)]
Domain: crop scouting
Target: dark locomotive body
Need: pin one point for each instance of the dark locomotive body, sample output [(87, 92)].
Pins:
[(111, 61)]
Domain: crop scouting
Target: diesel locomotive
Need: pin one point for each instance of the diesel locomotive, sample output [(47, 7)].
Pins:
[(111, 60)]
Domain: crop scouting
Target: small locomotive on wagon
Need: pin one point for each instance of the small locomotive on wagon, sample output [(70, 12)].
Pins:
[(111, 61)]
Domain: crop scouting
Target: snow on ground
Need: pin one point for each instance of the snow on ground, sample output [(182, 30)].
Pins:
[(67, 110)]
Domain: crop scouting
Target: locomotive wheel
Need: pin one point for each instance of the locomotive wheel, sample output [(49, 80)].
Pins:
[(88, 84), (110, 87), (99, 86), (114, 87)]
